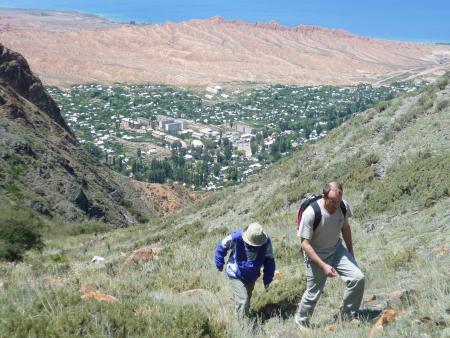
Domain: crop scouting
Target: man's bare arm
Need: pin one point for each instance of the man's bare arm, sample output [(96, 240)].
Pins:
[(347, 235), (309, 250)]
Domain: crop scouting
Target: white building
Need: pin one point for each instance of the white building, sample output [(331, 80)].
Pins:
[(255, 167), (246, 137), (243, 128), (197, 144), (144, 121), (125, 123), (206, 131), (162, 123), (174, 126)]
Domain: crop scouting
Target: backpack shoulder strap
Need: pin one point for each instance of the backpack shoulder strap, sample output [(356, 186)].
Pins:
[(317, 214), (307, 200), (343, 208)]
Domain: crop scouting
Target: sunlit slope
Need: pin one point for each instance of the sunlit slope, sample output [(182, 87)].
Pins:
[(394, 163)]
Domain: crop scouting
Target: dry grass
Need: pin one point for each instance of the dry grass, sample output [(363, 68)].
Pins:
[(396, 249)]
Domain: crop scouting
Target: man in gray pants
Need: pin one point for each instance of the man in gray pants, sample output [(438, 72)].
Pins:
[(325, 256)]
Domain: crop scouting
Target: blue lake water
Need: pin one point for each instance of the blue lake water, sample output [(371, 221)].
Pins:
[(159, 11)]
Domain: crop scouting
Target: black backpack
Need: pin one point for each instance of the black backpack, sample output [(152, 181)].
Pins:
[(311, 199)]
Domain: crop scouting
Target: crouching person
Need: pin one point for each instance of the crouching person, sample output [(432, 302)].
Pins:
[(250, 249)]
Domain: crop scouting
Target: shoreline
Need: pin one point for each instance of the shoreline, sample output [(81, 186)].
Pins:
[(53, 19)]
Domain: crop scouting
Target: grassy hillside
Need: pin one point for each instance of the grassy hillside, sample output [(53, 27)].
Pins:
[(394, 163)]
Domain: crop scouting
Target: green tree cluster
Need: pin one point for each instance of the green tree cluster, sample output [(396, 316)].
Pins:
[(19, 232)]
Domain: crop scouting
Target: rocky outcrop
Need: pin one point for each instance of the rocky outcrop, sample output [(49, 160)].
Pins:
[(42, 166), (15, 72)]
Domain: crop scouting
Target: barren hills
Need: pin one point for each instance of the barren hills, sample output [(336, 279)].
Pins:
[(213, 51)]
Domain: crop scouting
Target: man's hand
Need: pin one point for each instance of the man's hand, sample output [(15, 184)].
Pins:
[(329, 271)]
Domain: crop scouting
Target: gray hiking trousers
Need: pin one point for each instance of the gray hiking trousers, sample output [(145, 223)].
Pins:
[(345, 265), (242, 295)]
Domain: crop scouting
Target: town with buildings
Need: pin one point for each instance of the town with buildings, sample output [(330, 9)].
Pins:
[(207, 138)]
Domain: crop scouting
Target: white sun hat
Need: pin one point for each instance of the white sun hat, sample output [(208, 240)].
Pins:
[(254, 235)]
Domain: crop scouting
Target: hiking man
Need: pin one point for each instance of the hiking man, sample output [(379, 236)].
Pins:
[(325, 256), (251, 249)]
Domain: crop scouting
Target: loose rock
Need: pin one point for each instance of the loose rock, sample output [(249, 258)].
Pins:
[(90, 294), (97, 259), (143, 254), (387, 317)]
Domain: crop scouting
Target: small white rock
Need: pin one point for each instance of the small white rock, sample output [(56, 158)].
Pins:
[(97, 259)]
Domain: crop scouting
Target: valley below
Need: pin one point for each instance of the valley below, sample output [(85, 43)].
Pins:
[(128, 152)]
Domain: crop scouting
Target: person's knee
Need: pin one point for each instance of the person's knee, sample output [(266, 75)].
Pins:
[(242, 306), (359, 279), (243, 300), (312, 296)]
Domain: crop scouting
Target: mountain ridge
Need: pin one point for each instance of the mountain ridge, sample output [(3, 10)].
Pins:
[(216, 51), (15, 72)]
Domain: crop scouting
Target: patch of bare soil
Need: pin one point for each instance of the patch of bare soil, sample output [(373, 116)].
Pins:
[(167, 198)]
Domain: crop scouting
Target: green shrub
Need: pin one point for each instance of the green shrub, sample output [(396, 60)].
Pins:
[(19, 231), (287, 291), (399, 259), (423, 98), (423, 104), (441, 105), (58, 258), (265, 210), (12, 189), (211, 200), (369, 115), (442, 82), (188, 321), (17, 165), (388, 136), (62, 313), (180, 279), (418, 184), (371, 159), (295, 191), (219, 231), (428, 104), (192, 233), (141, 218), (88, 227), (355, 172), (382, 106), (287, 254)]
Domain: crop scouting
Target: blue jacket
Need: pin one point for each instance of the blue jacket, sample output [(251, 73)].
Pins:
[(245, 261)]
